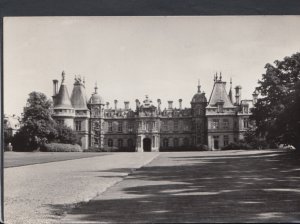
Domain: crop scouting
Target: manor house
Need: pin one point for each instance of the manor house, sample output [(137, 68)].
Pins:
[(210, 124)]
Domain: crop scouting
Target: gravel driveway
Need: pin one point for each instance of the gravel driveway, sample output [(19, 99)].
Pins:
[(30, 191)]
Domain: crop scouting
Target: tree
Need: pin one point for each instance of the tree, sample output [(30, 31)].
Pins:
[(38, 127), (277, 112)]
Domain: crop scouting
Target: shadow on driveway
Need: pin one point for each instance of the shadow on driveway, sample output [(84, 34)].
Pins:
[(261, 187)]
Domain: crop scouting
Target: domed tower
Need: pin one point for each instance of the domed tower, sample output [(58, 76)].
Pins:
[(82, 113), (198, 105), (96, 105), (63, 111)]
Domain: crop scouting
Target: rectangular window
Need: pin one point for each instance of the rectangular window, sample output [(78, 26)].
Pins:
[(235, 124), (148, 126), (186, 126), (130, 127), (120, 127), (225, 124), (109, 126), (198, 126), (78, 125), (170, 123), (215, 124), (165, 125), (226, 140), (246, 123), (175, 125)]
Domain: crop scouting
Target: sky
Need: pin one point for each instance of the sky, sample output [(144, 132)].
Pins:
[(130, 57)]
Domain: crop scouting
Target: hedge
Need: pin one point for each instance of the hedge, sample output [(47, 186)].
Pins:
[(59, 147)]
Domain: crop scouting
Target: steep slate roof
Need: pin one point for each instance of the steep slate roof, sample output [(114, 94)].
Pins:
[(219, 94), (78, 97), (62, 99)]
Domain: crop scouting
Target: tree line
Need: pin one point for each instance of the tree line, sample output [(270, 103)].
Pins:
[(277, 111), (38, 128)]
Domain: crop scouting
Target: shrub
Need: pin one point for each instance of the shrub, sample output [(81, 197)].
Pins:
[(59, 147), (66, 135), (237, 146)]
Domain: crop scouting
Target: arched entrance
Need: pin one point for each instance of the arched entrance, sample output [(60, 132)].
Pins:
[(147, 144)]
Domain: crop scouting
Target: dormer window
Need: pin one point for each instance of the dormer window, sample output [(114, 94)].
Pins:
[(220, 105), (220, 108)]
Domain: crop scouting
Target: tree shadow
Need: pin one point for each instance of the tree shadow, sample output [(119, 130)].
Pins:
[(176, 189)]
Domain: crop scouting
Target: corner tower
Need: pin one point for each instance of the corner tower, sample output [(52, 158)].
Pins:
[(63, 111), (198, 105), (96, 105), (221, 116), (82, 113)]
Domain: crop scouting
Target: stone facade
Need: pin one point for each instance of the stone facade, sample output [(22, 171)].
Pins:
[(206, 124)]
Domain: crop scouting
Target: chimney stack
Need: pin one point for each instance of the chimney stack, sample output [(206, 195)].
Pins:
[(255, 95), (238, 94), (55, 87), (180, 104), (107, 105), (126, 103), (116, 104), (170, 103), (137, 102), (158, 103)]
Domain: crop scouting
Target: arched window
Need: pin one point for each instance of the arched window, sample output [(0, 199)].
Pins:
[(166, 142), (120, 143), (175, 142), (110, 143)]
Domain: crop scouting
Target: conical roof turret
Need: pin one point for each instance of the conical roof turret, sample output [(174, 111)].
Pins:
[(78, 97), (62, 99)]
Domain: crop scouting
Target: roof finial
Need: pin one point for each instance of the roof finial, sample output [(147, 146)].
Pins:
[(216, 76), (96, 87), (63, 75), (230, 82), (199, 86), (220, 76)]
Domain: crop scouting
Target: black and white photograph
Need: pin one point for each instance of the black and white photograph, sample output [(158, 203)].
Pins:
[(151, 119)]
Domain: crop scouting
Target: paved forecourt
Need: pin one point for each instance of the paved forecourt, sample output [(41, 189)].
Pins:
[(42, 193), (224, 186)]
